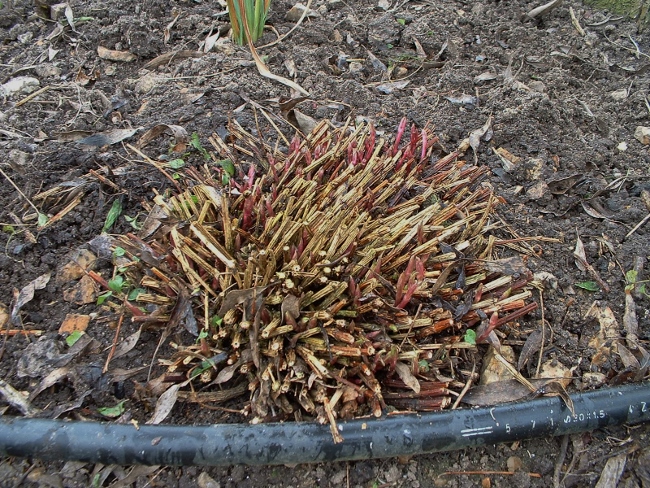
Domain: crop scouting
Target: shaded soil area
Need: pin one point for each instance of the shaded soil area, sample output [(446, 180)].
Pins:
[(566, 150)]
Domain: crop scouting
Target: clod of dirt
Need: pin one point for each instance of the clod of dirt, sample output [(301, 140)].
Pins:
[(642, 134)]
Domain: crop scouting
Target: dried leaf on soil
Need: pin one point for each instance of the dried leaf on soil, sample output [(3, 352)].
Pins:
[(181, 137), (127, 344), (612, 471), (165, 403), (108, 138), (389, 87), (82, 293), (16, 399), (404, 372), (604, 342), (74, 322), (484, 133), (26, 294), (112, 55), (80, 261)]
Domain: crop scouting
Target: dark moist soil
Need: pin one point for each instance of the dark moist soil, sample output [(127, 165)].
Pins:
[(566, 104)]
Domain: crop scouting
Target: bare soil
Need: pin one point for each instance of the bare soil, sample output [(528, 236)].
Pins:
[(566, 104)]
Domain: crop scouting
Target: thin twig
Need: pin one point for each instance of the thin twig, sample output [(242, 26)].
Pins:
[(541, 347), (487, 473), (284, 36), (114, 345), (32, 95), (20, 191), (638, 226), (576, 23), (467, 386), (560, 461)]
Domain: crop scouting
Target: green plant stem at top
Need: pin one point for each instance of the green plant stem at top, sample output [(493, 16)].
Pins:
[(251, 12)]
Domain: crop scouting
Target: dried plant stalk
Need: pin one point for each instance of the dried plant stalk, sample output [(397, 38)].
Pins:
[(347, 255)]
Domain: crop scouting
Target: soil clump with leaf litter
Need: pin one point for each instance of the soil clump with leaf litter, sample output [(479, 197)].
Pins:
[(549, 112)]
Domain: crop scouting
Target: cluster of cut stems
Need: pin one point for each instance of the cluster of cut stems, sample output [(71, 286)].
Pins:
[(334, 280)]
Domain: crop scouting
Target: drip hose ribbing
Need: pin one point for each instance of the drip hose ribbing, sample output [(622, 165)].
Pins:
[(306, 442)]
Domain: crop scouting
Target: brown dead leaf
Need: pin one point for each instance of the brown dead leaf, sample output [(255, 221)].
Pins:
[(531, 346), (404, 372), (543, 9), (165, 403), (16, 399), (27, 293), (83, 79), (4, 316), (127, 344), (169, 57), (507, 266), (179, 133), (112, 55), (627, 358), (499, 392), (119, 374), (82, 260), (611, 473), (237, 297), (82, 293), (182, 313), (74, 322), (71, 136), (303, 122), (484, 133), (108, 137), (51, 379), (604, 342), (557, 388), (508, 160), (563, 185), (290, 305), (555, 370)]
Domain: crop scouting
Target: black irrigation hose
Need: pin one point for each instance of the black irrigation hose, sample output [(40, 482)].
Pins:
[(292, 442)]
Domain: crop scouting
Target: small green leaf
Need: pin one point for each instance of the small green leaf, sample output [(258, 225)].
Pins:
[(115, 284), (227, 166), (73, 337), (113, 214), (424, 365), (112, 412), (176, 163), (631, 277), (202, 335), (401, 21), (119, 251), (196, 144), (8, 229), (470, 336), (588, 285), (133, 294), (97, 479), (216, 321), (133, 221), (102, 298), (42, 219), (176, 176)]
